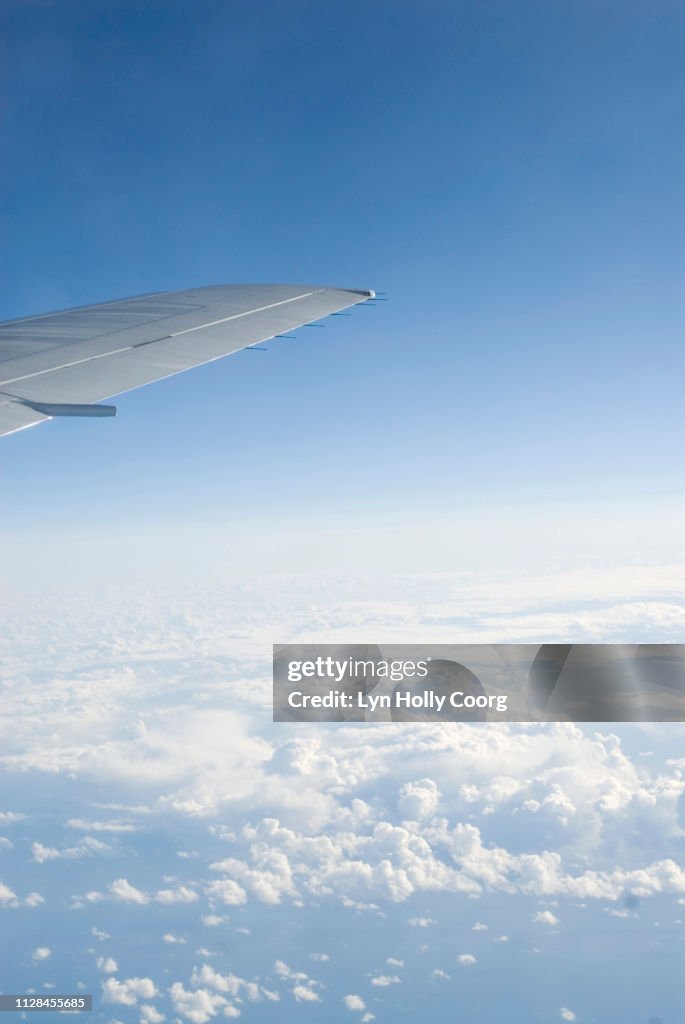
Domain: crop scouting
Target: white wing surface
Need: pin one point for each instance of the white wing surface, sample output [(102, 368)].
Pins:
[(63, 364)]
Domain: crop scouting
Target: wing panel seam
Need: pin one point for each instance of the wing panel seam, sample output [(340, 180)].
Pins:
[(132, 348)]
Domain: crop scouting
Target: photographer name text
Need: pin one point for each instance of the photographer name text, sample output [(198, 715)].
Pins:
[(426, 701)]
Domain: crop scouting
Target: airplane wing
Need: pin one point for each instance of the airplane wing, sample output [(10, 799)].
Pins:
[(63, 364)]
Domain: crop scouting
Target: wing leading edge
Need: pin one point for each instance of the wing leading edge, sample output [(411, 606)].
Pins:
[(62, 364)]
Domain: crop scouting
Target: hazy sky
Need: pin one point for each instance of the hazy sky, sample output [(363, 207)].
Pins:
[(510, 174)]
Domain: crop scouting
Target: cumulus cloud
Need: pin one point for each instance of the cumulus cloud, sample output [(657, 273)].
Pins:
[(420, 799), (9, 898), (85, 848), (151, 1015), (304, 987), (231, 984), (107, 964), (128, 992), (394, 861), (466, 959), (545, 917), (212, 993), (383, 980), (283, 970), (206, 975), (40, 853), (566, 1014), (182, 894), (354, 1003), (197, 1006), (6, 894), (9, 817), (305, 994), (348, 819), (269, 878), (41, 953), (122, 890), (226, 891)]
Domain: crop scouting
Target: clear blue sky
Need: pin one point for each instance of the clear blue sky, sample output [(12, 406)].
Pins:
[(510, 174)]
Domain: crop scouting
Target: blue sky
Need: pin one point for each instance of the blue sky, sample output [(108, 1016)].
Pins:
[(509, 174), (493, 455)]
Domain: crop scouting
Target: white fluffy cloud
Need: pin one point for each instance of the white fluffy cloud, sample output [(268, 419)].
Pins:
[(107, 964), (85, 848), (269, 880), (466, 959), (304, 989), (545, 917), (128, 992), (354, 820), (197, 1006), (151, 1015), (212, 993), (226, 891), (420, 799), (304, 994), (354, 1003), (6, 894), (230, 984), (9, 898), (567, 1014), (181, 894), (122, 890), (41, 953), (393, 862)]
